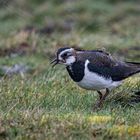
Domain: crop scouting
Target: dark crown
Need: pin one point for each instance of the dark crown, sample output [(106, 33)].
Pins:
[(62, 49)]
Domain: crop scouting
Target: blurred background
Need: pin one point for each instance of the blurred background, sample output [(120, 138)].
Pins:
[(31, 31)]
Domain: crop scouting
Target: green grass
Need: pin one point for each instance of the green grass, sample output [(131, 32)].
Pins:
[(45, 103)]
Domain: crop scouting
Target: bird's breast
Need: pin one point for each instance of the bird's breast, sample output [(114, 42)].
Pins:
[(76, 71), (87, 79), (92, 80)]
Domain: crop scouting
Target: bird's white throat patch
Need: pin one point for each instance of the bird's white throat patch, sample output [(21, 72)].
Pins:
[(70, 60), (94, 81)]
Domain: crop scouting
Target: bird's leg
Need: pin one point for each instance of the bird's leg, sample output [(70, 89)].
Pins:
[(102, 98), (106, 94), (100, 94)]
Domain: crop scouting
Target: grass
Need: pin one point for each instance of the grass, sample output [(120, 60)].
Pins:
[(45, 103)]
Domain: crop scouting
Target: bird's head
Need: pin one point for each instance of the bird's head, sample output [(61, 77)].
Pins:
[(65, 56)]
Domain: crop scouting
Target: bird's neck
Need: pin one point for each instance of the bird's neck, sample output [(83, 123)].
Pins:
[(76, 71)]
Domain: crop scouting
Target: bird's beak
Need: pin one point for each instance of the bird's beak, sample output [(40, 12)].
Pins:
[(54, 62)]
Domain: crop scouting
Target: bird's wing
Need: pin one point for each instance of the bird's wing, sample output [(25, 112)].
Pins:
[(105, 65), (98, 57)]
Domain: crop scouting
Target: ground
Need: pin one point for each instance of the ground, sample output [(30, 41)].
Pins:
[(43, 102)]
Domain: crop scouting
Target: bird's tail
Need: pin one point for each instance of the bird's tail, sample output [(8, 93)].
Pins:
[(135, 67), (135, 64)]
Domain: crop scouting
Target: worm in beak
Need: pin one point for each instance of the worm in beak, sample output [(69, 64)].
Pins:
[(54, 62)]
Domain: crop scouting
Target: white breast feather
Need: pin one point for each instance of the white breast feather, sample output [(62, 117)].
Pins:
[(70, 60), (92, 80)]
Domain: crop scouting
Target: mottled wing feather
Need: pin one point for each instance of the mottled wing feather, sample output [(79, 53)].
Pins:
[(97, 57)]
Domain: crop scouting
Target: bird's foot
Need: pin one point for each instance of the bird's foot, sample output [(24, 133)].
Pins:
[(98, 106)]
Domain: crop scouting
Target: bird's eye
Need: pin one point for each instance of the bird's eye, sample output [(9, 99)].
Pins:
[(64, 55)]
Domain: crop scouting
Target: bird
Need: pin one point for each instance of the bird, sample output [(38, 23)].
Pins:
[(95, 69)]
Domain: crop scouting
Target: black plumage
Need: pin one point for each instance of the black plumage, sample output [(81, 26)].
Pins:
[(61, 49), (76, 71)]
